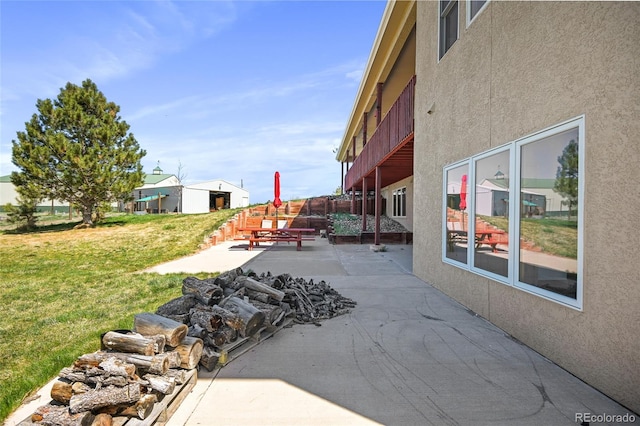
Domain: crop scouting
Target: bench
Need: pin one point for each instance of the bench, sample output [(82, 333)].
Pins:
[(289, 235), (265, 239), (455, 234), (454, 237), (492, 242)]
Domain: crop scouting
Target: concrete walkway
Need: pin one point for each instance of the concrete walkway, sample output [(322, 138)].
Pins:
[(222, 257), (406, 355)]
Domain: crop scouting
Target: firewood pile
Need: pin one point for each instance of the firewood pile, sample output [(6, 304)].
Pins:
[(133, 371), (237, 305), (139, 373)]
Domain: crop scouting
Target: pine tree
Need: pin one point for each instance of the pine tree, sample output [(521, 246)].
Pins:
[(566, 183), (78, 149), (24, 214)]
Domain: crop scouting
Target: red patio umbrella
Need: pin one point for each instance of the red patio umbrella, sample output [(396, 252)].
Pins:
[(463, 196), (463, 193), (277, 202)]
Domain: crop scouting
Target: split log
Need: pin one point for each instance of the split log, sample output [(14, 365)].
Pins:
[(205, 318), (190, 351), (252, 284), (149, 324), (224, 335), (93, 376), (178, 375), (160, 342), (164, 385), (251, 317), (178, 306), (98, 398), (215, 340), (61, 392), (195, 330), (228, 292), (209, 358), (205, 291), (287, 309), (141, 408), (59, 415), (226, 279), (173, 357), (153, 364), (117, 367), (102, 419), (281, 281), (79, 387), (132, 342), (274, 315), (256, 295), (238, 283), (227, 317)]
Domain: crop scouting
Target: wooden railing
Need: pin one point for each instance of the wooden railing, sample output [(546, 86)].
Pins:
[(394, 128)]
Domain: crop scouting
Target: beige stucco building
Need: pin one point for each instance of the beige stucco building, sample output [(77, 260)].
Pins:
[(459, 94)]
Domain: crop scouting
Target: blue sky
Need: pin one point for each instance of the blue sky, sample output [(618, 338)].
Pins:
[(231, 90)]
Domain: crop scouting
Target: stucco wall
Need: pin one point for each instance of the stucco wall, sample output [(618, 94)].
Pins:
[(521, 67)]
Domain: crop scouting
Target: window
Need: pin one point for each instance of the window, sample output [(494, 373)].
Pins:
[(524, 211), (400, 202), (491, 207), (548, 219), (455, 214), (448, 25), (474, 7)]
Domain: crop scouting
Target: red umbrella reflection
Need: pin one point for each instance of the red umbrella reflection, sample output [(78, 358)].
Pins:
[(276, 192), (463, 197), (463, 193)]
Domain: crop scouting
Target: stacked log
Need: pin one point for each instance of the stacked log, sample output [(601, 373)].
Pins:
[(126, 378), (150, 324), (238, 305), (134, 369)]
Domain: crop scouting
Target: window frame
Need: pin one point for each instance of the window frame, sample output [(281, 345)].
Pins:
[(578, 123), (445, 195), (515, 157), (443, 13), (399, 202), (470, 18), (472, 252)]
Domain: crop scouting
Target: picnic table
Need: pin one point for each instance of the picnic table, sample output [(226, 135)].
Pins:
[(491, 237), (259, 235)]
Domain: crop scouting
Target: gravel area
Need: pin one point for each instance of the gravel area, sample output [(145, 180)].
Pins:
[(348, 224)]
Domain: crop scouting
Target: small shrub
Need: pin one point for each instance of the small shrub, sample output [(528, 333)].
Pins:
[(23, 215)]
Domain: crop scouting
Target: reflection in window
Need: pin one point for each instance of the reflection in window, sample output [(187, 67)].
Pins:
[(548, 213), (525, 212), (457, 220), (492, 213)]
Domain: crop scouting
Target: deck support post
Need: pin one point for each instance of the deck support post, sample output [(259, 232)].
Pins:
[(378, 205), (364, 204)]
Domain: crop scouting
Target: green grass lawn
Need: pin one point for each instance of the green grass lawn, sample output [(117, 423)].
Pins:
[(554, 236), (61, 288)]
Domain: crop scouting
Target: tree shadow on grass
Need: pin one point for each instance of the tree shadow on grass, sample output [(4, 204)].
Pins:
[(39, 229)]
